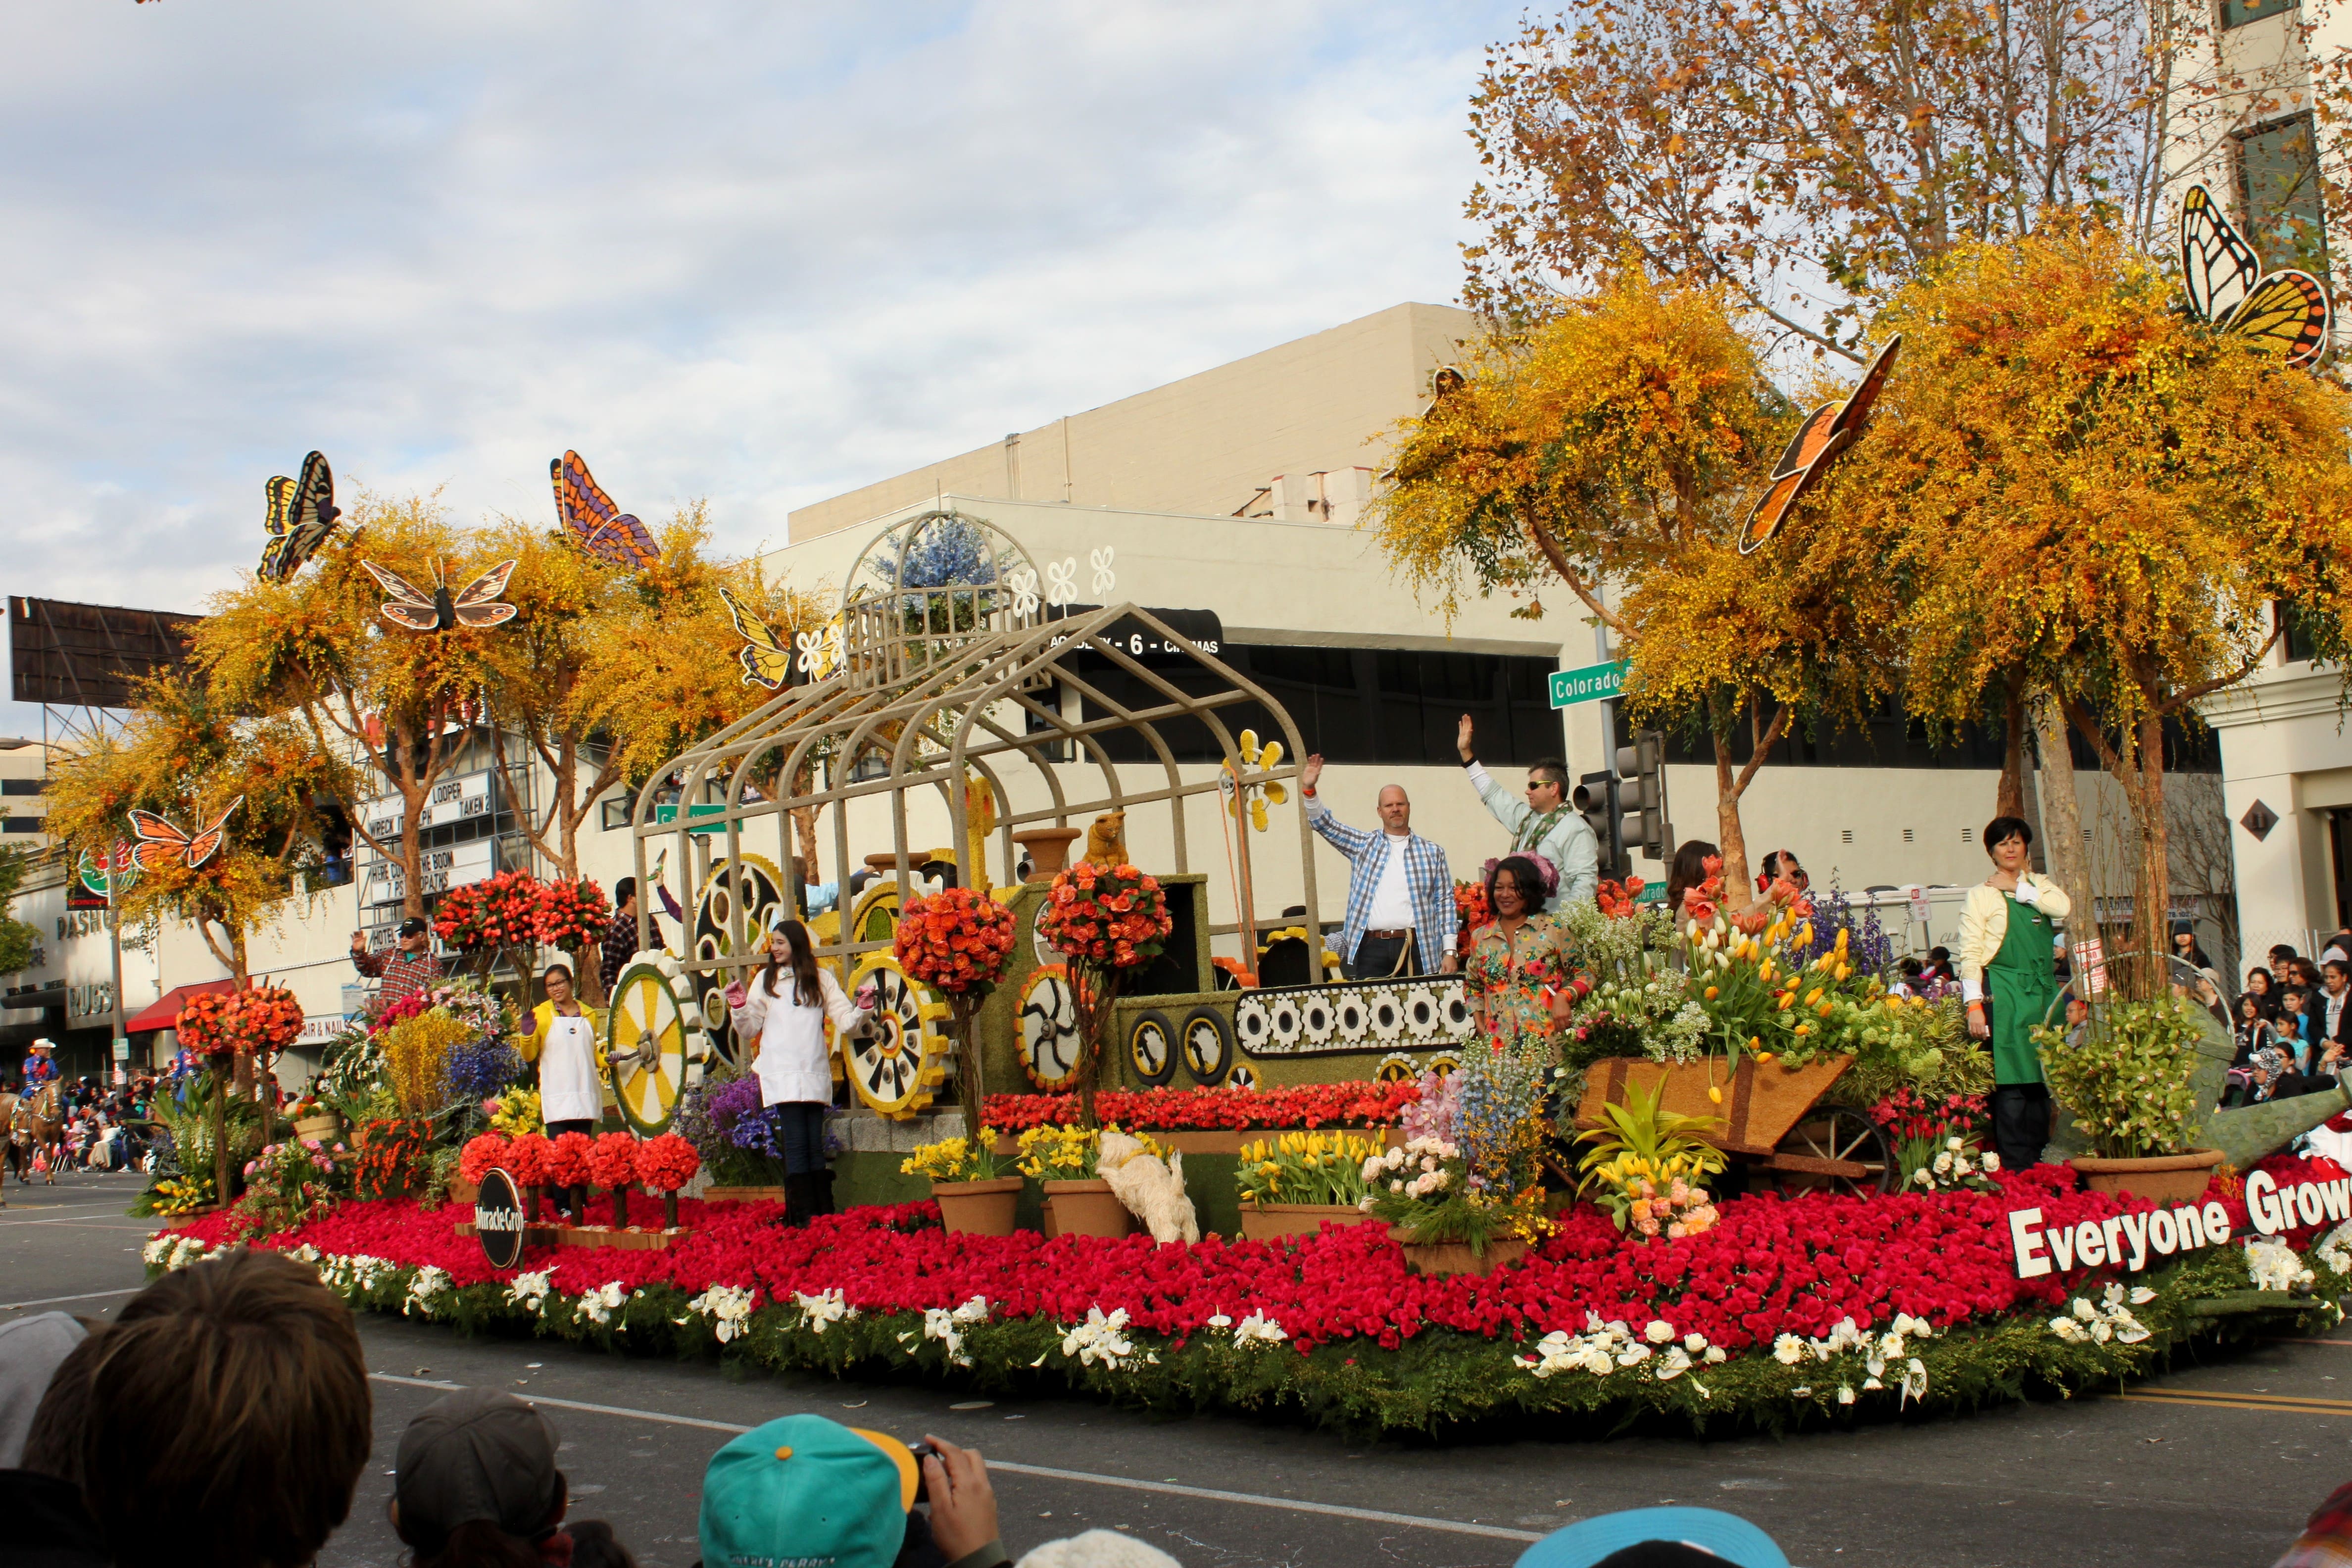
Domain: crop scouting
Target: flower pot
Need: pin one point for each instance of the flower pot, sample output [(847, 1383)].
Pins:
[(1455, 1257), (1049, 850), (978, 1208), (2160, 1178), (462, 1191), (1268, 1222), (1085, 1208), (325, 1129)]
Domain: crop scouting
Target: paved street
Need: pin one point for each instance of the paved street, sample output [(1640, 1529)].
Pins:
[(2196, 1468)]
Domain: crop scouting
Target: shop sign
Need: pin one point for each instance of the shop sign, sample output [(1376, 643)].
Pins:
[(318, 1028), (382, 881), (92, 1000), (1203, 629), (2091, 963), (498, 1220), (1594, 683), (453, 800), (2119, 1241), (2275, 1209)]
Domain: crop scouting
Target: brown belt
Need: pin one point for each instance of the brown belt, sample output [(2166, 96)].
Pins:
[(1404, 935)]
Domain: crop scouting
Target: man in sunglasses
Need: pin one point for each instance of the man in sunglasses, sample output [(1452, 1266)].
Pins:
[(1545, 824)]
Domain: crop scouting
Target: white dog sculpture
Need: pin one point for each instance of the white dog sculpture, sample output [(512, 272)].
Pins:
[(1152, 1190)]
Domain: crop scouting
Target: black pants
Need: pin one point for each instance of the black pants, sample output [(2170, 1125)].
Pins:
[(557, 1129), (2020, 1123), (1376, 958), (800, 1127)]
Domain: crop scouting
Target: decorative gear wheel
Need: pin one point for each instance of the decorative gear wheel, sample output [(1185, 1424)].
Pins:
[(1207, 1043), (654, 1042), (1397, 1068), (903, 1058), (1152, 1048), (1244, 1076), (757, 887), (1049, 1044)]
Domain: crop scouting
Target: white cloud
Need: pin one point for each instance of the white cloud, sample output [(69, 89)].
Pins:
[(758, 253)]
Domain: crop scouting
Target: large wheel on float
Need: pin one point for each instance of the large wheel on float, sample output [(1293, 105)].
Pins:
[(901, 1061), (1836, 1149), (654, 1042), (1048, 1042), (756, 886)]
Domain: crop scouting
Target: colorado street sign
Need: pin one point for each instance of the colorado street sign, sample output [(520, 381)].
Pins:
[(1594, 683)]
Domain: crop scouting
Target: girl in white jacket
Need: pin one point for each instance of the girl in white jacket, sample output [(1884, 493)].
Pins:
[(784, 1011)]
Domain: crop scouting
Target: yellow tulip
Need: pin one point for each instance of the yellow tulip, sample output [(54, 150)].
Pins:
[(1715, 1094), (1843, 970), (1711, 993), (1812, 996), (1764, 1055), (1804, 1028)]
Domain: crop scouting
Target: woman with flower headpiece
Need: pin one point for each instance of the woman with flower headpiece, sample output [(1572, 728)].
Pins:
[(1521, 971)]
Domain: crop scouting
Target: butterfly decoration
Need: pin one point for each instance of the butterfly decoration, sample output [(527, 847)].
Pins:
[(2284, 312), (1826, 432), (160, 843), (597, 526), (766, 661), (438, 611), (300, 515), (1257, 796)]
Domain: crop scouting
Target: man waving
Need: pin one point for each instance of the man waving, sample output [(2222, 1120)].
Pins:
[(1401, 918), (1544, 824)]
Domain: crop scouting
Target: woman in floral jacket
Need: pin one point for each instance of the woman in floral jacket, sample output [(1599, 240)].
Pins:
[(1521, 967)]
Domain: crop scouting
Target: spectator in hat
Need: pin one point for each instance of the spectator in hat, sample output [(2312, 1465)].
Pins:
[(230, 1418), (804, 1489), (40, 1067), (405, 968), (1657, 1538), (475, 1486)]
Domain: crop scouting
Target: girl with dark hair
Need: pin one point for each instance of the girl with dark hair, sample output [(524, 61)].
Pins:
[(1688, 871), (2007, 946), (785, 1012), (562, 1042), (1520, 965)]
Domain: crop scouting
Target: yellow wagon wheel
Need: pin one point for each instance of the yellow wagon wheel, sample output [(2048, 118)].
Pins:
[(903, 1058), (653, 1046)]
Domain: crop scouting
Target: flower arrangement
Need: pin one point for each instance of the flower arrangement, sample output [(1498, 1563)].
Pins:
[(416, 1053), (567, 1159), (1355, 1104), (481, 1070), (572, 915), (530, 1156), (483, 1154), (666, 1163), (1619, 901), (1954, 1167), (501, 911), (1114, 918), (1678, 1211), (394, 1155), (1642, 1149), (612, 1159), (191, 1192), (1070, 1153), (1425, 1191), (202, 1024), (2127, 1083), (1324, 1168), (466, 1002), (1471, 911), (515, 1112), (956, 941), (289, 1182), (389, 1013), (957, 1159), (1922, 1128), (260, 1022)]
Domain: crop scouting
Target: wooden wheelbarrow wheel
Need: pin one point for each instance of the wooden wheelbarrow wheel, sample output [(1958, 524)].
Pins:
[(1835, 1149)]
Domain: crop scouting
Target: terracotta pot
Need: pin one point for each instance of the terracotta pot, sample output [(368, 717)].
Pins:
[(462, 1191), (1267, 1222), (2160, 1178), (1085, 1208), (1049, 850), (1455, 1256), (979, 1208)]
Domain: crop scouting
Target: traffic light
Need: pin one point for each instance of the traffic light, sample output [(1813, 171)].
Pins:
[(1596, 798), (1639, 795)]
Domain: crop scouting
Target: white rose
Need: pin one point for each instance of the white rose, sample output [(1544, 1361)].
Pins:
[(1659, 1331)]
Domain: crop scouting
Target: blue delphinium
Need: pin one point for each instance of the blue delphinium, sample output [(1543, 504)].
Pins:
[(480, 1069), (1868, 945)]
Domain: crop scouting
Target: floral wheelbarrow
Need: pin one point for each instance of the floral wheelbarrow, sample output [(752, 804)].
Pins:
[(1767, 1116)]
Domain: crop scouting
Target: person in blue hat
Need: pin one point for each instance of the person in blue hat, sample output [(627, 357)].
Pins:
[(1657, 1538), (809, 1491)]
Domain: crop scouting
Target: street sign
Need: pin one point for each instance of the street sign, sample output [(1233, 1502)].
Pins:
[(1594, 683)]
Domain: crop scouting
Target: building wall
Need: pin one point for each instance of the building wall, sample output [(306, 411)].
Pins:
[(2284, 745)]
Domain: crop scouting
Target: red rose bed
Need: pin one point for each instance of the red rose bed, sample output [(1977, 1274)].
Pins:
[(1787, 1309)]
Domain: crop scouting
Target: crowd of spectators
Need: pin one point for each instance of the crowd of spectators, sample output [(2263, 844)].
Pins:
[(111, 1126), (2292, 1025)]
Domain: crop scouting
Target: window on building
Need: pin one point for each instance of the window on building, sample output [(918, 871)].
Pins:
[(2278, 189), (24, 786), (22, 825), (2238, 13), (2297, 644)]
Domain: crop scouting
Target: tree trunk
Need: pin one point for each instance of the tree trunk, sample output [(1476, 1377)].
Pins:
[(2062, 819), (2152, 883), (220, 1139), (1731, 841), (2009, 799)]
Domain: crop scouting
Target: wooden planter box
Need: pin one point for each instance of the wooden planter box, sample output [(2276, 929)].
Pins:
[(325, 1129), (979, 1208), (182, 1221), (1270, 1222), (1760, 1104), (633, 1239), (1227, 1142), (2160, 1179), (1455, 1257), (742, 1195), (532, 1235), (1085, 1208)]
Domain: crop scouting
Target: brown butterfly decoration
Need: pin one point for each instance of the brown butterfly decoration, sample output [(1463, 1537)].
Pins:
[(476, 605), (1827, 431)]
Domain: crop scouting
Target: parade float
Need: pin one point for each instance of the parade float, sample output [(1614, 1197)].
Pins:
[(1740, 1183)]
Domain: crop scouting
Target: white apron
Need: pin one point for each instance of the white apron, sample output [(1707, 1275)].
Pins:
[(568, 1089)]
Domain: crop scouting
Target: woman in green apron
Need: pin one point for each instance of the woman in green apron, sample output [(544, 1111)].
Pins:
[(2008, 952)]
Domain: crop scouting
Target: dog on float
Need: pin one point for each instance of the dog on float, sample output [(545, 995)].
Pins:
[(1151, 1188)]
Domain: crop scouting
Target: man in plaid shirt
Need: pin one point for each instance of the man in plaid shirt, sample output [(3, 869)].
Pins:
[(405, 969), (1401, 916)]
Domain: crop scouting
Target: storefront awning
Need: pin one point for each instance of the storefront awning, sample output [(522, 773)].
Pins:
[(164, 1014)]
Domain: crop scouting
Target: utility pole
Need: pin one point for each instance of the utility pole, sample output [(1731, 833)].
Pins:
[(119, 1047)]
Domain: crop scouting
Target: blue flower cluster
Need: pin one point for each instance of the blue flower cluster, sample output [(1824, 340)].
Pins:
[(482, 1067), (1867, 943)]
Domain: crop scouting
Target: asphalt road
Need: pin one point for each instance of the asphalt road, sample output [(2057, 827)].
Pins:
[(2197, 1467)]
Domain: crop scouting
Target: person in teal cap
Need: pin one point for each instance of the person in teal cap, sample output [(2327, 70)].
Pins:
[(1657, 1538), (2008, 979), (812, 1492)]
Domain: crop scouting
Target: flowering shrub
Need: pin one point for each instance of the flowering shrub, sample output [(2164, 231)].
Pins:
[(955, 1158), (1306, 1168), (956, 941), (1640, 1149), (259, 1022), (416, 1054), (666, 1163), (572, 915), (1438, 1107), (612, 1159), (483, 1154), (1115, 918), (1059, 1154), (390, 1014), (501, 911), (528, 1155), (567, 1158), (1922, 1128), (1357, 1104), (201, 1025), (394, 1156)]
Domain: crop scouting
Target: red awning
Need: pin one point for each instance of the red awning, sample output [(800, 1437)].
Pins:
[(165, 1013)]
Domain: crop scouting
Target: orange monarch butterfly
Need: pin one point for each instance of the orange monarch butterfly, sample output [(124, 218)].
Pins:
[(2284, 312), (160, 843), (1827, 431)]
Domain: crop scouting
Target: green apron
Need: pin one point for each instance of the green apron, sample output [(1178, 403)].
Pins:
[(2021, 985)]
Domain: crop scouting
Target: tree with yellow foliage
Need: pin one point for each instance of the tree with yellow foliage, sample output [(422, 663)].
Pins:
[(2087, 491)]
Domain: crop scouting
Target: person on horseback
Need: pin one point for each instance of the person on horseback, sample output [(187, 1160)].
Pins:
[(40, 1068)]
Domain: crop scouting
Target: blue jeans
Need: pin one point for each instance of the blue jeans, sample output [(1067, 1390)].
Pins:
[(800, 1126)]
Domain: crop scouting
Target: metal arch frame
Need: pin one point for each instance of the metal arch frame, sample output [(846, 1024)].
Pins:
[(945, 719)]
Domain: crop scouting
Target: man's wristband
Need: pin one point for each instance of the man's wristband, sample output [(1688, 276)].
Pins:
[(1470, 761), (1977, 1005)]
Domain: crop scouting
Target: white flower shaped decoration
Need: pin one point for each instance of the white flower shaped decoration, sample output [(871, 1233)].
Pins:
[(1062, 581), (1105, 578)]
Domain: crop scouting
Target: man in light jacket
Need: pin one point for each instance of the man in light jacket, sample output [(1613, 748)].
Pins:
[(1545, 824)]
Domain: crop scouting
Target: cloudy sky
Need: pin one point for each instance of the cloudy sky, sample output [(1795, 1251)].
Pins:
[(756, 252)]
